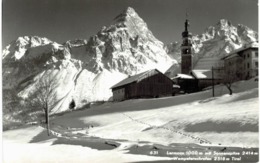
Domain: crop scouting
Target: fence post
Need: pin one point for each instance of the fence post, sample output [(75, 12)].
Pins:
[(213, 91)]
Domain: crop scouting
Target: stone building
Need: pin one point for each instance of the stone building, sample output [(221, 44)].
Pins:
[(242, 64)]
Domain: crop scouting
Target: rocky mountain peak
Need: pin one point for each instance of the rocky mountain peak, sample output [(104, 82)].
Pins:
[(31, 41), (243, 27), (19, 46), (130, 11), (126, 45), (247, 33), (85, 69), (126, 14), (216, 41), (224, 24), (129, 20)]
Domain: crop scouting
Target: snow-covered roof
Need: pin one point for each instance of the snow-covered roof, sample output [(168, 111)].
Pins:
[(243, 48), (202, 74), (205, 74), (176, 86), (206, 63), (231, 56), (202, 70), (183, 76), (132, 79)]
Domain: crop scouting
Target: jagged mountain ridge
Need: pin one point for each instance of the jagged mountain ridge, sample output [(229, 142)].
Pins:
[(216, 41), (16, 49), (84, 69), (127, 45)]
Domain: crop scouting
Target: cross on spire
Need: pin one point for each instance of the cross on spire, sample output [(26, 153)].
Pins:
[(187, 21), (187, 14)]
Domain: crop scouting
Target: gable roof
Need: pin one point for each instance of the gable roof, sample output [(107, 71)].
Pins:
[(134, 78), (202, 74), (234, 53), (205, 74), (206, 63), (183, 76)]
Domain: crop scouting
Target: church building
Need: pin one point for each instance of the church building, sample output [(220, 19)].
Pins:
[(195, 77), (186, 81), (186, 56)]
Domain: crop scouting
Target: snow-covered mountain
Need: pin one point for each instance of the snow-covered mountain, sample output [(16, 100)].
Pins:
[(215, 42), (84, 69), (16, 49), (127, 46)]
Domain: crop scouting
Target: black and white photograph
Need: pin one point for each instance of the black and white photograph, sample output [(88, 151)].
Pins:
[(130, 81)]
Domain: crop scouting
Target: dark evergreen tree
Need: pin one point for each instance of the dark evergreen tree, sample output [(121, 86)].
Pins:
[(72, 105)]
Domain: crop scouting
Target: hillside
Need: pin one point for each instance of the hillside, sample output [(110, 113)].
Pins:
[(128, 131), (143, 119)]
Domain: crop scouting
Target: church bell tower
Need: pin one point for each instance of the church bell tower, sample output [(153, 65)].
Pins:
[(186, 56)]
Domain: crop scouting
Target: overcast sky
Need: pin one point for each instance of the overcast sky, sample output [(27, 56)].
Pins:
[(61, 20)]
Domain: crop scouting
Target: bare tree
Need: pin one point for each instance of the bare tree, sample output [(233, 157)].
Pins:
[(229, 79), (44, 97), (228, 84)]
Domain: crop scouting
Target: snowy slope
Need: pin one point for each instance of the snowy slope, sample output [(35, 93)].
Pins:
[(84, 69), (194, 118), (112, 132), (34, 146)]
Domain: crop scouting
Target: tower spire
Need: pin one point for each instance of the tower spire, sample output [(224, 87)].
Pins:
[(187, 14), (187, 24), (186, 57)]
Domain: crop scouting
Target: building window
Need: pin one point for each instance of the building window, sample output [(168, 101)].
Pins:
[(248, 55), (256, 54), (256, 64), (248, 65)]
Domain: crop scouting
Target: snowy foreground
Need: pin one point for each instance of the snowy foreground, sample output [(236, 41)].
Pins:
[(144, 129)]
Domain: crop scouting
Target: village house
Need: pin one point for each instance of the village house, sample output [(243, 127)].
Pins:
[(148, 84), (242, 64)]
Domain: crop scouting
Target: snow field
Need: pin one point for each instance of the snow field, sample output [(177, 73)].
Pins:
[(146, 119), (107, 132)]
